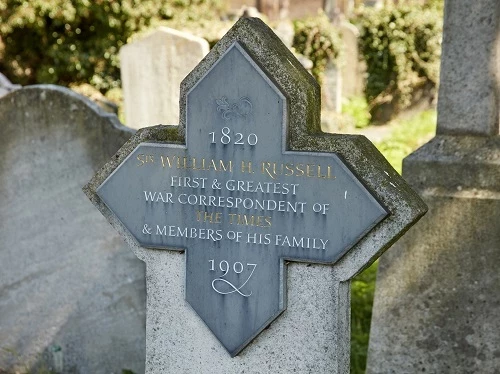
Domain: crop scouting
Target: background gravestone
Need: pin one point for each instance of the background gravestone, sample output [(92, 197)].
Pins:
[(374, 3), (69, 288), (437, 299), (332, 89), (152, 69), (352, 67), (283, 107)]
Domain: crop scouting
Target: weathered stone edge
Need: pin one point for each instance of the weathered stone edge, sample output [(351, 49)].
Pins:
[(86, 101), (404, 204), (114, 126)]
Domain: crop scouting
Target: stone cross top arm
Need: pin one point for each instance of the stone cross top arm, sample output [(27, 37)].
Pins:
[(248, 182)]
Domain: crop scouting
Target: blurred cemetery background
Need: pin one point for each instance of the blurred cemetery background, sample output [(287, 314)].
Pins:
[(376, 60)]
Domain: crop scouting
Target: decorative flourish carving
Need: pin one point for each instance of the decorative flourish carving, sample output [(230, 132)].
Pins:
[(242, 108), (231, 285)]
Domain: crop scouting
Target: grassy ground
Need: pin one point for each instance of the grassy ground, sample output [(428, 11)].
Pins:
[(407, 135)]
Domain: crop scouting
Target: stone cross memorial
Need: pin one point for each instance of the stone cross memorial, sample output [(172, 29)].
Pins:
[(244, 185)]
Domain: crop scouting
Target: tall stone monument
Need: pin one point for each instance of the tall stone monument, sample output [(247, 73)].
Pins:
[(226, 207), (152, 69), (71, 296), (438, 291)]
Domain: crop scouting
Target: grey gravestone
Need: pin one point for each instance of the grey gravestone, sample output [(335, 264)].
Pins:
[(246, 184), (437, 297), (71, 296)]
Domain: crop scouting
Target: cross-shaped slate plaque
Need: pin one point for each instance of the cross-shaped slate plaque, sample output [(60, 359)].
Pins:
[(232, 193)]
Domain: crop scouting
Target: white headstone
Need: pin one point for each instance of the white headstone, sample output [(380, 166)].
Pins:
[(352, 69), (284, 30), (375, 3), (152, 69), (332, 89)]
